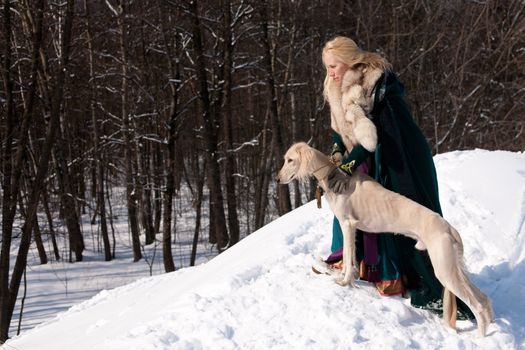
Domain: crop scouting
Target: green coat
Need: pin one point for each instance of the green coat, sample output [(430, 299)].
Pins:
[(403, 163)]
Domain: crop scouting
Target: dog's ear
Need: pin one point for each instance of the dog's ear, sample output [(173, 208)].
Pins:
[(305, 155)]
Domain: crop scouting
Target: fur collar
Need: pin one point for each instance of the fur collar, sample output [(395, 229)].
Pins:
[(350, 105), (366, 77)]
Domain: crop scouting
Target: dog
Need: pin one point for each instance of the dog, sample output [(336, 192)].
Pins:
[(368, 206)]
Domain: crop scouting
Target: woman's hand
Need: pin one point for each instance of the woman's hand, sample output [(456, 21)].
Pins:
[(336, 158)]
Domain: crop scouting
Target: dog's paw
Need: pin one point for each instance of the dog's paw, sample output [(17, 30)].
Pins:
[(341, 282), (483, 326), (346, 281)]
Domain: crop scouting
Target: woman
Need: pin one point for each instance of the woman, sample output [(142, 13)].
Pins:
[(374, 132)]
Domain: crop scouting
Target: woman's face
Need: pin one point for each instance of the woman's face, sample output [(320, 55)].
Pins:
[(335, 68)]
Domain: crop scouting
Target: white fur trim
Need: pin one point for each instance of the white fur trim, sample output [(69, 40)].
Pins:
[(366, 134), (350, 104)]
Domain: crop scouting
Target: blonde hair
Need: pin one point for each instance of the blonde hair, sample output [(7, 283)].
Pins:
[(347, 51)]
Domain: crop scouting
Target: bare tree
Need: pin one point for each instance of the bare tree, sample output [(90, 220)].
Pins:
[(229, 160), (9, 297), (97, 149), (210, 135), (173, 127), (132, 195), (283, 193), (12, 163)]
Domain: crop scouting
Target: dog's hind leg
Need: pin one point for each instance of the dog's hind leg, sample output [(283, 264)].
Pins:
[(450, 271)]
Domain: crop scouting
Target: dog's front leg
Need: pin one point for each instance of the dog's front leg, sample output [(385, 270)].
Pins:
[(348, 274)]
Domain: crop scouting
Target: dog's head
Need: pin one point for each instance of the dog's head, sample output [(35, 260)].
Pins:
[(296, 162)]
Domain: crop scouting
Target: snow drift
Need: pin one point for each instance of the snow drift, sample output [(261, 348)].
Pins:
[(261, 294)]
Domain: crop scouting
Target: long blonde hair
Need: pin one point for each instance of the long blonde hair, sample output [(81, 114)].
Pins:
[(347, 51)]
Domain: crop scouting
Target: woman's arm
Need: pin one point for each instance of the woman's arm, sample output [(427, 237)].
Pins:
[(338, 149), (338, 178)]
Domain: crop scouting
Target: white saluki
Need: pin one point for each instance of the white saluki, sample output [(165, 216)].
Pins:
[(368, 206)]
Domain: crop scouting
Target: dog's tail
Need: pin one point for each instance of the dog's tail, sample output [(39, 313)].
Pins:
[(478, 302), (458, 240), (450, 306)]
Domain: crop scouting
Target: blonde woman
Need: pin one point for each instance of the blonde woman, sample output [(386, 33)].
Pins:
[(373, 132)]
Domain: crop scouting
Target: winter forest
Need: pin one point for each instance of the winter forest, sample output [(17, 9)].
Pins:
[(153, 97)]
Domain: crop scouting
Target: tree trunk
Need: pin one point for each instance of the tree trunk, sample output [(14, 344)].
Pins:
[(67, 198), (157, 183), (98, 154), (173, 126), (212, 229), (39, 244), (66, 184), (9, 198), (108, 253), (141, 191), (45, 202), (197, 204), (169, 265), (218, 219), (263, 170), (283, 192), (108, 199), (128, 139), (43, 163), (258, 167), (229, 161), (12, 174)]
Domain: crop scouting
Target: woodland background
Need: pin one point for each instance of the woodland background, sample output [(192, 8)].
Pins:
[(152, 96)]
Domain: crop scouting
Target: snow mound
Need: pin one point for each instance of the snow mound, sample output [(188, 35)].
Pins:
[(261, 293)]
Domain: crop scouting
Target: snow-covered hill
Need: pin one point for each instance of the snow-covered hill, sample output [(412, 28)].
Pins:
[(261, 294)]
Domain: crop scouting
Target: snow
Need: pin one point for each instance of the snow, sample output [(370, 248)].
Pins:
[(261, 293)]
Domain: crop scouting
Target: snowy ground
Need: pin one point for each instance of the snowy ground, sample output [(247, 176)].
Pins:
[(58, 285), (260, 294)]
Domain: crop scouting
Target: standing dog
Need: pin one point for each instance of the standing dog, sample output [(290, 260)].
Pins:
[(368, 206)]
